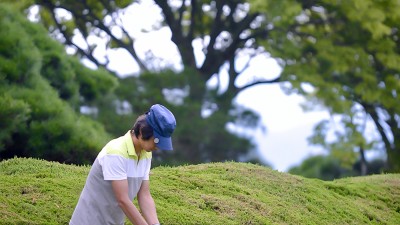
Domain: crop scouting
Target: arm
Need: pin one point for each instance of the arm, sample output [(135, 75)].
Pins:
[(146, 203), (120, 188)]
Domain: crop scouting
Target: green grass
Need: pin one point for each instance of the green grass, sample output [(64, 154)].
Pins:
[(41, 192)]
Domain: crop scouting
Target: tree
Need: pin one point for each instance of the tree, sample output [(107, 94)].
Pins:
[(330, 167), (348, 52), (322, 167), (41, 87), (226, 34)]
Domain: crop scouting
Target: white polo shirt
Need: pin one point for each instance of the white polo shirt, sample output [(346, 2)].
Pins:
[(116, 161)]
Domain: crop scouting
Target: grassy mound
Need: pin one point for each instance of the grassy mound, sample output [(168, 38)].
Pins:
[(41, 192)]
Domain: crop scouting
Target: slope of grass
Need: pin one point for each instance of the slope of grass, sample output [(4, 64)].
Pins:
[(41, 192)]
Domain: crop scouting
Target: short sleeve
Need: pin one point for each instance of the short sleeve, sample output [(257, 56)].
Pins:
[(114, 167)]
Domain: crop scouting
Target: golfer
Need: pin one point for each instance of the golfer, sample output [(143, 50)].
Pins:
[(121, 172)]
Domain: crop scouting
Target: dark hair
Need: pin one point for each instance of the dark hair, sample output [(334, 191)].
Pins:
[(141, 126)]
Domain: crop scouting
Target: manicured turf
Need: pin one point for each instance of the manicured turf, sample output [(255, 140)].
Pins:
[(40, 192)]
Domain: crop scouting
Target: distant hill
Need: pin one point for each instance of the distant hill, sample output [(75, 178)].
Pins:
[(40, 192)]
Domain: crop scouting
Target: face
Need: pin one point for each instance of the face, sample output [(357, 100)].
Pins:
[(148, 145)]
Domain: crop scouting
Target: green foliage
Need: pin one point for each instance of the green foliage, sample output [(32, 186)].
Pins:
[(322, 167), (66, 74), (19, 59), (41, 192), (40, 96), (280, 12), (14, 114), (93, 84), (332, 167), (21, 5), (347, 51)]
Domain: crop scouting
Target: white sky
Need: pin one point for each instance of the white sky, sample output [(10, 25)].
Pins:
[(284, 143)]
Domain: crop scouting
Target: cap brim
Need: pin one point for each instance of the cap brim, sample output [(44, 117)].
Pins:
[(164, 143)]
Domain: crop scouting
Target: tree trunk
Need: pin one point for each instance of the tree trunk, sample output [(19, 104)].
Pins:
[(363, 162)]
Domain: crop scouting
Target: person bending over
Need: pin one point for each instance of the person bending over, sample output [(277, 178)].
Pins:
[(121, 172)]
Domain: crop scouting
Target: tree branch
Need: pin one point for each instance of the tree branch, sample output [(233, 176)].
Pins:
[(276, 80), (128, 46), (183, 44), (51, 7)]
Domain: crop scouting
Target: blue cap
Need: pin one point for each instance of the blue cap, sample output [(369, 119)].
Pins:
[(163, 123)]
